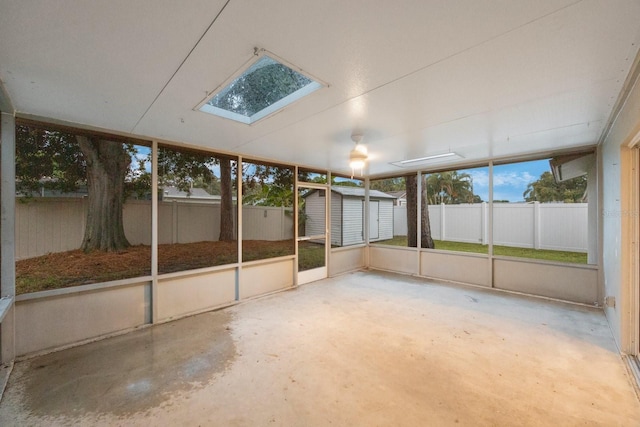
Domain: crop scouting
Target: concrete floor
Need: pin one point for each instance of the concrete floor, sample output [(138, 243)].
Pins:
[(361, 349)]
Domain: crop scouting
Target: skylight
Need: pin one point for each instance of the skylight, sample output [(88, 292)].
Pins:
[(265, 87)]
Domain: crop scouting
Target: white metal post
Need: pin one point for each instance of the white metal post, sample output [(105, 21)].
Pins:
[(154, 232), (7, 235)]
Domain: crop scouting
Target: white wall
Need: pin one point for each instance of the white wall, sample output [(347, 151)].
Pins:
[(617, 214)]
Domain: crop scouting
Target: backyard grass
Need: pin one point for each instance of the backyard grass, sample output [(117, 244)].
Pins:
[(74, 268), (544, 254), (310, 255)]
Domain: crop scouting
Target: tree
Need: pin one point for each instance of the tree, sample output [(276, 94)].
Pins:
[(389, 184), (187, 169), (450, 188), (107, 164), (546, 189), (55, 160), (411, 187), (226, 201), (265, 185)]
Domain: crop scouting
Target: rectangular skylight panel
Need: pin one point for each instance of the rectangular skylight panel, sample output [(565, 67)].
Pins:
[(263, 88)]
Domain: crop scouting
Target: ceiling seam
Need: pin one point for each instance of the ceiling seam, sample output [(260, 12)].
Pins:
[(453, 55), (180, 66)]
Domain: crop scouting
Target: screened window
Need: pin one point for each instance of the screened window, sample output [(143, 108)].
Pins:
[(197, 210), (386, 214), (347, 211), (267, 211), (535, 216), (455, 210), (83, 213)]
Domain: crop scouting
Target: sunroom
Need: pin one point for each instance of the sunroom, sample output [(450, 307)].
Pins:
[(161, 161)]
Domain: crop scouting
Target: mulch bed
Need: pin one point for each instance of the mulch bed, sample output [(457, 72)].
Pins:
[(73, 268)]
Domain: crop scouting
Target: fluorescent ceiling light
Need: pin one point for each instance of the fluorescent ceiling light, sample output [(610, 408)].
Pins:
[(422, 159), (435, 158)]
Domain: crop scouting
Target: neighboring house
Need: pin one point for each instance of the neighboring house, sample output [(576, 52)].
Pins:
[(401, 197), (347, 215), (170, 194)]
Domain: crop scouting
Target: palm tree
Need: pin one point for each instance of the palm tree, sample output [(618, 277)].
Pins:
[(450, 188)]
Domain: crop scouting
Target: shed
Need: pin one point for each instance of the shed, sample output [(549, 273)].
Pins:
[(347, 215)]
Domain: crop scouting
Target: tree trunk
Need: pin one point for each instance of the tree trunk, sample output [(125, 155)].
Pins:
[(425, 227), (107, 165), (412, 210), (226, 201)]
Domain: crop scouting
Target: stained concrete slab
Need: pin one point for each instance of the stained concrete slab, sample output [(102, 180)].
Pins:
[(361, 349)]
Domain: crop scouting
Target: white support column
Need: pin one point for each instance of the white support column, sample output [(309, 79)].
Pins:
[(239, 227), (154, 232), (7, 235), (327, 225), (296, 228), (418, 221), (592, 213), (483, 223), (490, 225), (366, 211), (366, 221)]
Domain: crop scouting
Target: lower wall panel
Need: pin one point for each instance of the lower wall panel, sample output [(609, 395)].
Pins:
[(52, 322), (570, 283), (180, 296), (455, 267), (401, 260), (261, 278), (344, 260)]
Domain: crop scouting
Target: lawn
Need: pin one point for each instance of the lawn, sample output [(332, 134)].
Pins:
[(310, 255), (544, 254), (74, 268)]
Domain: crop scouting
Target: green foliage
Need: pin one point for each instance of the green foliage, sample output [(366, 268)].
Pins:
[(389, 184), (265, 185), (451, 188), (51, 161), (47, 160), (546, 189), (354, 183), (185, 169)]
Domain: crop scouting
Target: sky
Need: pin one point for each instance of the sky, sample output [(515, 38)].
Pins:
[(509, 181)]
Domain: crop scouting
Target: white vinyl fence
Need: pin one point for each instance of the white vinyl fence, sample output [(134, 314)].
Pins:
[(556, 226), (51, 225)]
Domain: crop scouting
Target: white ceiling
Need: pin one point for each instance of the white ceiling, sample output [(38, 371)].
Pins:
[(483, 78)]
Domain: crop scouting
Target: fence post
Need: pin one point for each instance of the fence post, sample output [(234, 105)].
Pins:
[(536, 225), (483, 222), (442, 221)]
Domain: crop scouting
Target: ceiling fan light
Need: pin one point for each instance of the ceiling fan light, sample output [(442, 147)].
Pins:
[(357, 159)]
